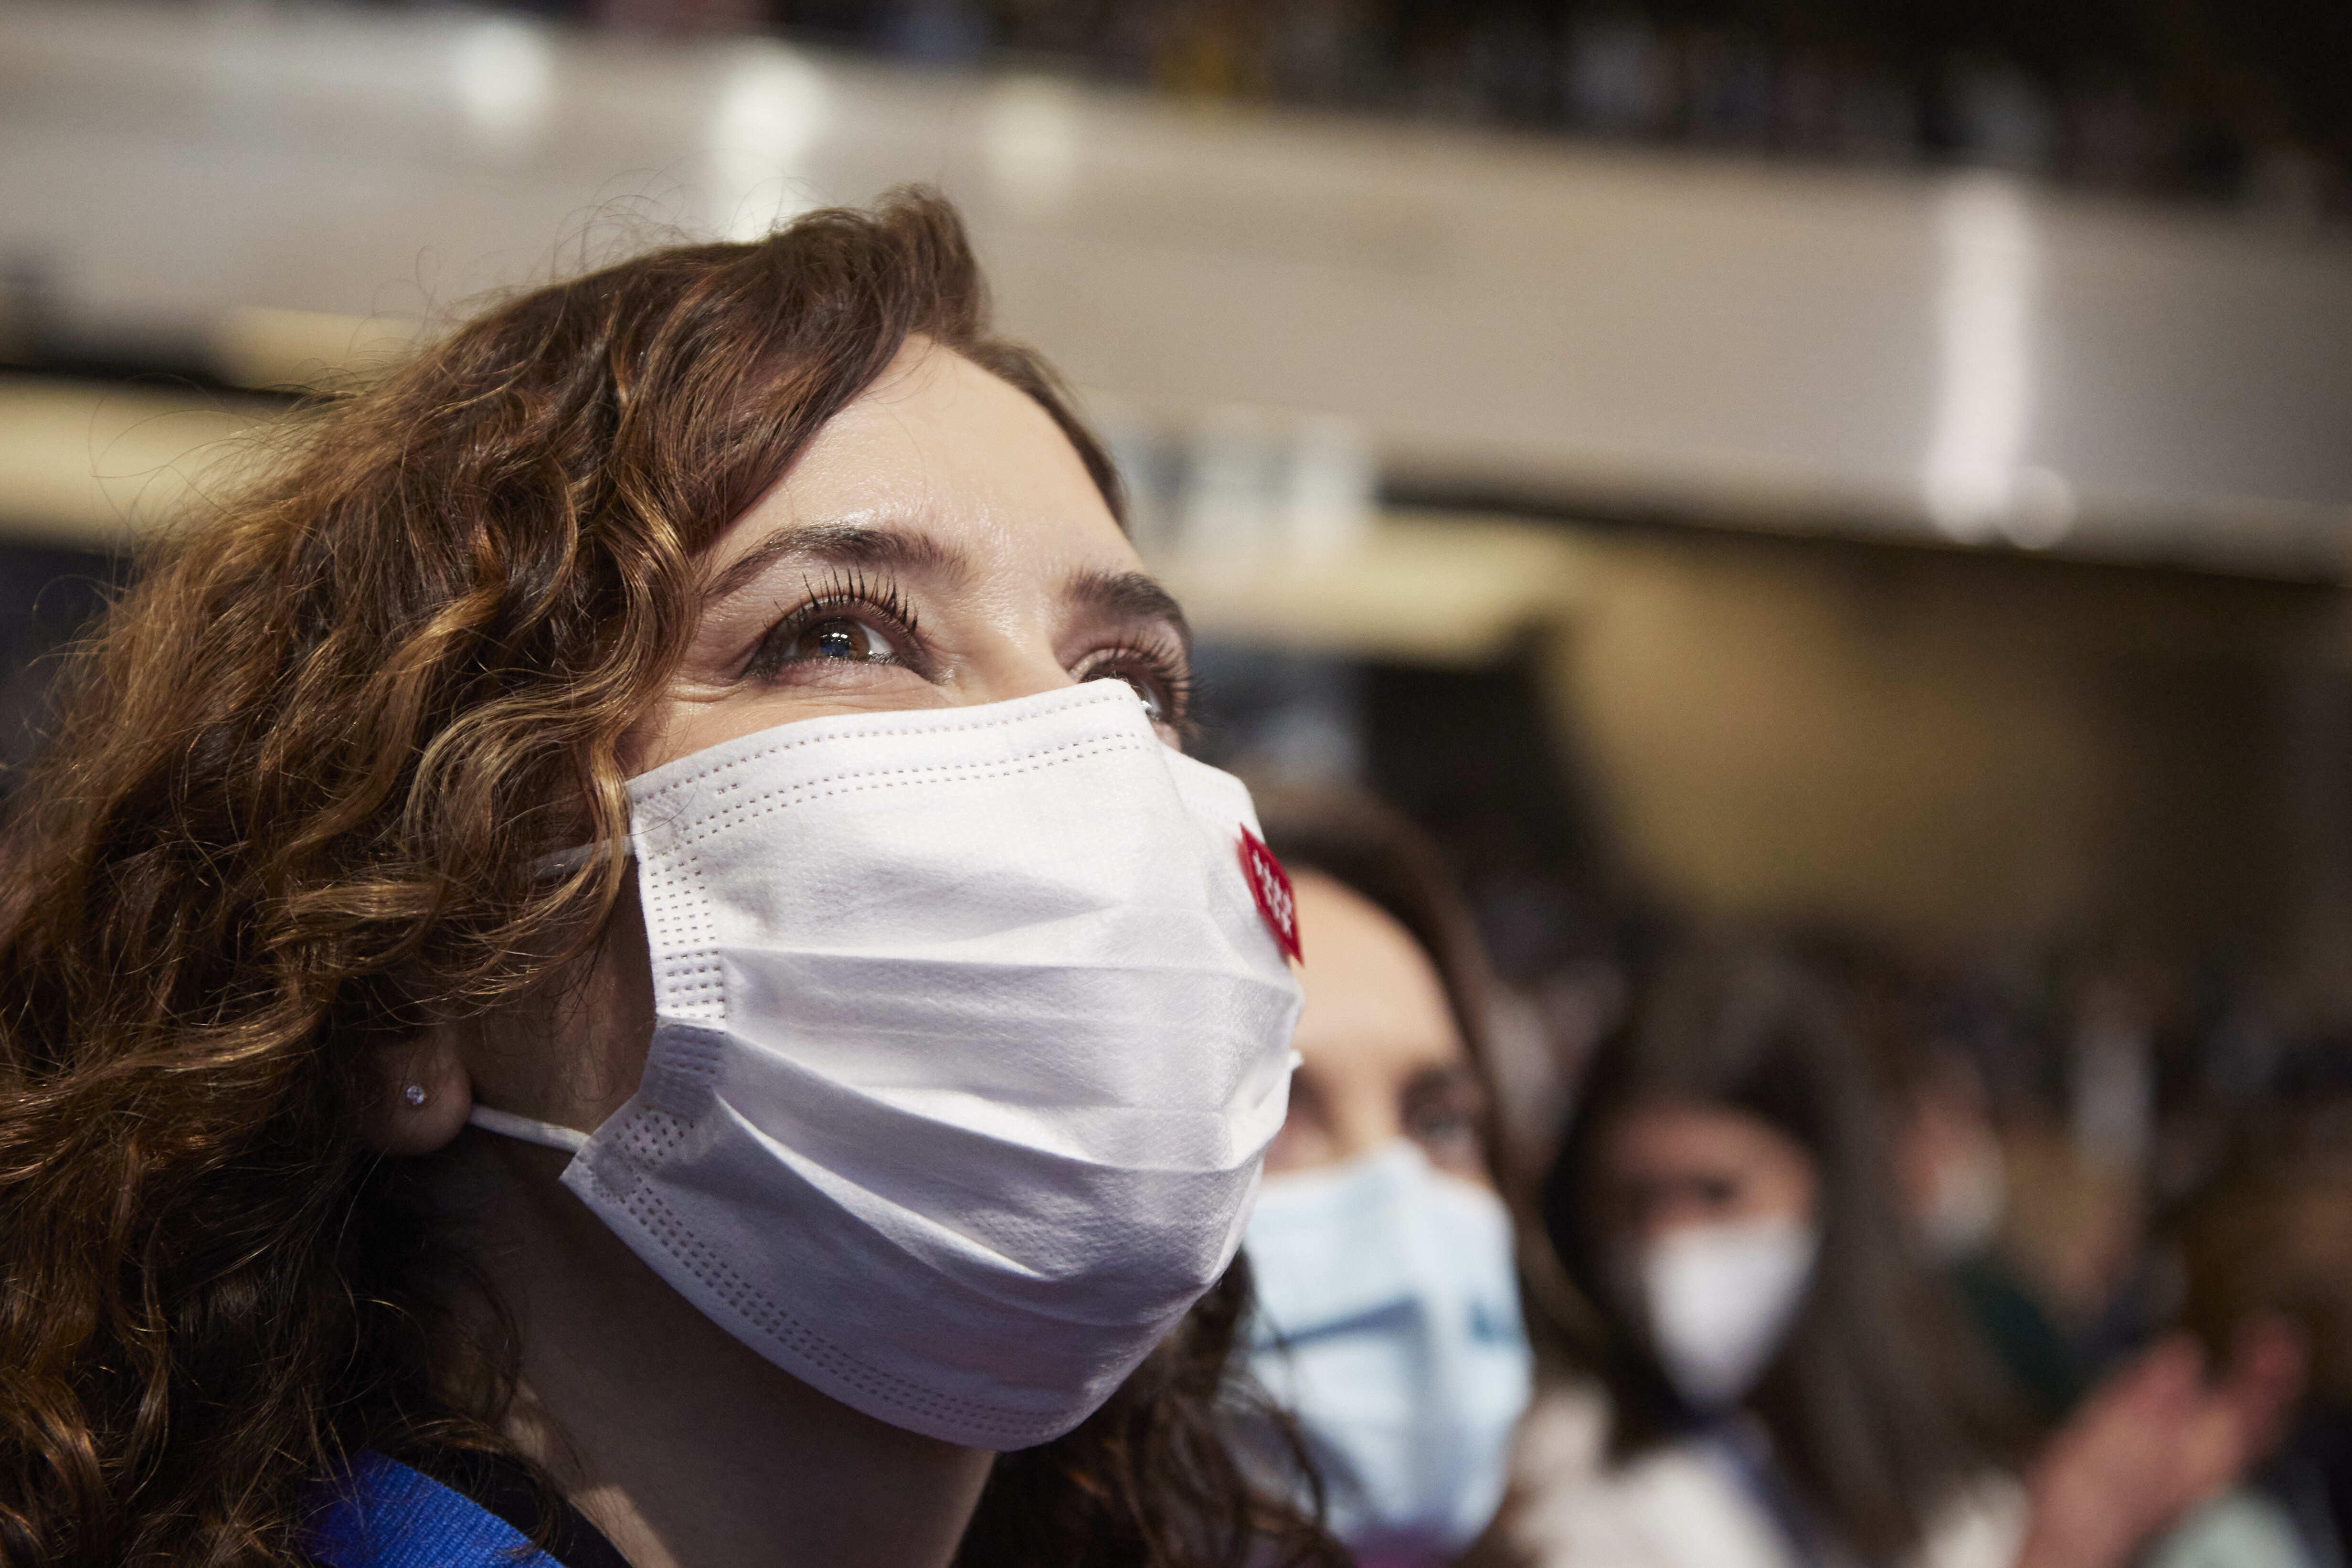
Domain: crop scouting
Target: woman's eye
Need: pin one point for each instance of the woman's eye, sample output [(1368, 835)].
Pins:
[(1454, 1133), (1158, 677), (1436, 1126), (1441, 1111), (840, 639), (1143, 685)]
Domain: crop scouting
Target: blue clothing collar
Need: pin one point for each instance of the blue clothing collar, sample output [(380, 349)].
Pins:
[(382, 1513)]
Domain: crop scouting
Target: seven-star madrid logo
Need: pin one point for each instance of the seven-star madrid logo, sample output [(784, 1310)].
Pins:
[(1270, 886)]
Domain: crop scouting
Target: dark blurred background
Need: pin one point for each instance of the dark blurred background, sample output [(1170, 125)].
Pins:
[(2225, 100)]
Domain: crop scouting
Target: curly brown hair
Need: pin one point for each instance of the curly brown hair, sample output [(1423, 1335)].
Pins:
[(301, 775)]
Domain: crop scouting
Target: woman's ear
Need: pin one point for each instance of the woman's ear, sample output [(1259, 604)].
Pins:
[(418, 1093)]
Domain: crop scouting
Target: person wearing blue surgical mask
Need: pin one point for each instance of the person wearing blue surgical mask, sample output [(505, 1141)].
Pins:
[(1389, 1322)]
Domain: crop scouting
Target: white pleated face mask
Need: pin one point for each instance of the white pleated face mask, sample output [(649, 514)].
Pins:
[(971, 1036), (1389, 1325), (1719, 1299)]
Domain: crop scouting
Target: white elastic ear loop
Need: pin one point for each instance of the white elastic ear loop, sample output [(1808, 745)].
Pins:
[(547, 1133)]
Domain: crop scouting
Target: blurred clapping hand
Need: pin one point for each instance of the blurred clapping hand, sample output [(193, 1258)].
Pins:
[(2158, 1439)]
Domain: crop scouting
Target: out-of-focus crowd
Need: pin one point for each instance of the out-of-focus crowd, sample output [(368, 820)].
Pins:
[(2228, 100), (1805, 1254)]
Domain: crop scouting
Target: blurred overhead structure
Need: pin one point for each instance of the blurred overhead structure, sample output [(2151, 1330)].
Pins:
[(80, 461), (1440, 591), (2232, 98), (1955, 357)]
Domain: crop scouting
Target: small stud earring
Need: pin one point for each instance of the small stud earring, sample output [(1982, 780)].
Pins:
[(413, 1094)]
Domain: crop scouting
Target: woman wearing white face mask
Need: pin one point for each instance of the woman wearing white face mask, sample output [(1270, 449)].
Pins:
[(620, 956), (1389, 1317), (1781, 1385)]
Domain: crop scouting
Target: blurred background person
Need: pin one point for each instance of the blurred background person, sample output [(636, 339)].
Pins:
[(1953, 1180), (2272, 1240), (1721, 1199), (1778, 1378), (1950, 1165), (1389, 1322)]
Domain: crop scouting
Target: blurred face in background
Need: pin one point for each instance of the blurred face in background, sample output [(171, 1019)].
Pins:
[(1948, 1163), (1389, 1320), (1674, 1166), (1381, 1056), (1710, 1218)]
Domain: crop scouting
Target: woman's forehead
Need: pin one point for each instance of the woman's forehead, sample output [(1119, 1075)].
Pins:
[(978, 462), (1698, 1131), (950, 481), (1372, 991)]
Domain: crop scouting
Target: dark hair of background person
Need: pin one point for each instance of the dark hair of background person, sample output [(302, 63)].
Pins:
[(1877, 1404), (301, 773)]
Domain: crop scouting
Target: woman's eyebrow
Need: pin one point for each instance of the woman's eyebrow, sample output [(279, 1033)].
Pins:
[(1127, 596), (839, 544), (1446, 1079)]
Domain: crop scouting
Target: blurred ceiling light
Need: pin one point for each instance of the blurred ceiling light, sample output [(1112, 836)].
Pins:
[(1984, 311), (504, 73), (774, 107), (2042, 509), (1029, 140)]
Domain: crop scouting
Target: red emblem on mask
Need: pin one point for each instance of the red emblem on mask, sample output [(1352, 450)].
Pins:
[(1269, 884)]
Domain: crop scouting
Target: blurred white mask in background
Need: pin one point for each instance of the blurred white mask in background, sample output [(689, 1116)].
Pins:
[(1719, 1297)]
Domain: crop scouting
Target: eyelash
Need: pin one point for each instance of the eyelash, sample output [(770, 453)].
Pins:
[(844, 593), (1157, 665)]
